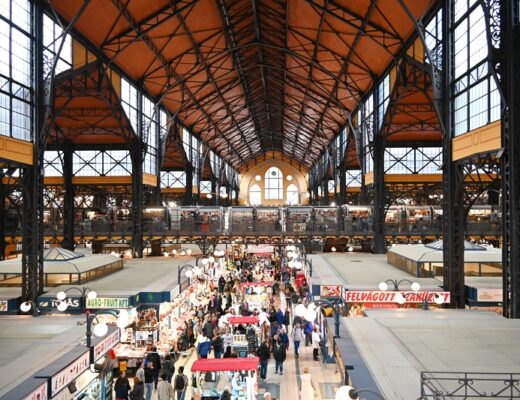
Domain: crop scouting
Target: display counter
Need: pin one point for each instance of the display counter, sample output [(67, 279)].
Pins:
[(213, 375)]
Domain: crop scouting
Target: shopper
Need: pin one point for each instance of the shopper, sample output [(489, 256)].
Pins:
[(298, 337), (308, 390), (316, 339), (284, 338), (208, 328), (181, 384), (138, 391), (279, 354), (226, 395), (168, 368), (228, 339), (227, 353), (264, 355), (139, 374), (154, 358), (149, 376), (307, 330), (221, 284), (287, 319), (122, 387), (164, 389), (217, 344), (252, 341), (204, 346)]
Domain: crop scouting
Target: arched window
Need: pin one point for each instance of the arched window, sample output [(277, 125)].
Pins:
[(274, 184), (292, 195), (255, 195)]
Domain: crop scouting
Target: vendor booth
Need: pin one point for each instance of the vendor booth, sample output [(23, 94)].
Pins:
[(214, 375), (257, 294), (241, 340)]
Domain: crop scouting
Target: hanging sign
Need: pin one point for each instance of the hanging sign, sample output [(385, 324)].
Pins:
[(375, 296), (106, 344), (40, 393), (108, 302), (69, 373)]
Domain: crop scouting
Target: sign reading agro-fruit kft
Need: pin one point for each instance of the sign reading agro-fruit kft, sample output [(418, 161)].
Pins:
[(108, 302)]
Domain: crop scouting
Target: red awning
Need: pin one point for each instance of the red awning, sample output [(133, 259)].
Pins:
[(225, 364), (238, 319), (256, 284)]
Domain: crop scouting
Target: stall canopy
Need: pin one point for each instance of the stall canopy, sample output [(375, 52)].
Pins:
[(238, 319), (256, 284), (225, 364)]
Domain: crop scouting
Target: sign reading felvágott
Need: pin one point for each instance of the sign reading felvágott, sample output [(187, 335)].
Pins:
[(106, 344), (374, 296), (69, 373), (108, 302)]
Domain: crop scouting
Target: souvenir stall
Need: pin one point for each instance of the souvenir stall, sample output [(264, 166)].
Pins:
[(239, 375), (240, 339), (257, 294)]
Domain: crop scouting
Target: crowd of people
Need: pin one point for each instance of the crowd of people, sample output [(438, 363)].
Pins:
[(208, 331)]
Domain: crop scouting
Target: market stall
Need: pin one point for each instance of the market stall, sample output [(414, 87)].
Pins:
[(239, 375), (257, 294), (243, 327)]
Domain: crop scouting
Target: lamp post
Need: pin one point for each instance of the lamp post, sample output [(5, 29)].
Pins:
[(384, 285), (101, 329), (309, 312), (192, 270), (349, 393), (86, 293)]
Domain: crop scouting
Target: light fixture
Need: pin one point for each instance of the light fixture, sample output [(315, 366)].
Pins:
[(310, 315), (197, 271), (333, 249), (172, 204), (91, 295), (401, 298), (209, 196), (438, 299), (100, 329), (297, 265), (289, 177), (350, 248), (333, 204), (189, 251), (291, 264), (299, 310), (61, 295), (62, 306), (174, 252), (205, 261), (183, 253), (383, 286), (258, 178), (211, 259), (165, 254), (123, 319), (393, 244), (224, 195), (416, 286), (26, 306), (189, 273)]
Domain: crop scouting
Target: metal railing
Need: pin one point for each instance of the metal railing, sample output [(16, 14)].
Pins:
[(469, 385)]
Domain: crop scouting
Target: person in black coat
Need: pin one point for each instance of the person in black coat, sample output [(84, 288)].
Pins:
[(279, 354), (221, 284), (263, 354), (217, 343), (154, 358), (122, 387)]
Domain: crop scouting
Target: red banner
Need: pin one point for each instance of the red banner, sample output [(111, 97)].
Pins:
[(375, 296)]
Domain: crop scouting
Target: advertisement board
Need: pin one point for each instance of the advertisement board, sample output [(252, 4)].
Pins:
[(377, 296), (108, 302), (330, 290), (490, 295)]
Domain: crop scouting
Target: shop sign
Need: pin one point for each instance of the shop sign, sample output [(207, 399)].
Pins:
[(108, 302), (106, 344), (39, 393), (184, 285), (330, 290), (175, 292), (4, 305), (72, 302), (490, 295), (81, 382), (375, 296), (67, 375), (260, 249)]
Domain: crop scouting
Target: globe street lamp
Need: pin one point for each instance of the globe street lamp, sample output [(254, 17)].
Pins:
[(189, 273), (349, 393), (101, 328), (86, 293), (309, 312), (384, 285)]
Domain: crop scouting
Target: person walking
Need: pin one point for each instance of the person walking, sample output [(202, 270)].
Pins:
[(168, 368), (138, 390), (316, 339), (181, 384), (279, 354), (284, 338), (263, 354), (149, 380), (122, 387), (217, 343), (298, 337), (154, 358), (204, 346), (307, 330), (308, 390), (140, 373), (164, 389)]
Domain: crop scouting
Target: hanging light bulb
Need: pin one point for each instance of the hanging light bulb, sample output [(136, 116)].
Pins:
[(383, 286), (438, 299), (258, 178), (189, 252), (333, 249), (189, 273), (62, 306), (100, 329), (289, 177), (25, 306), (299, 310), (91, 295), (416, 286), (401, 298), (61, 295), (174, 252), (209, 196)]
